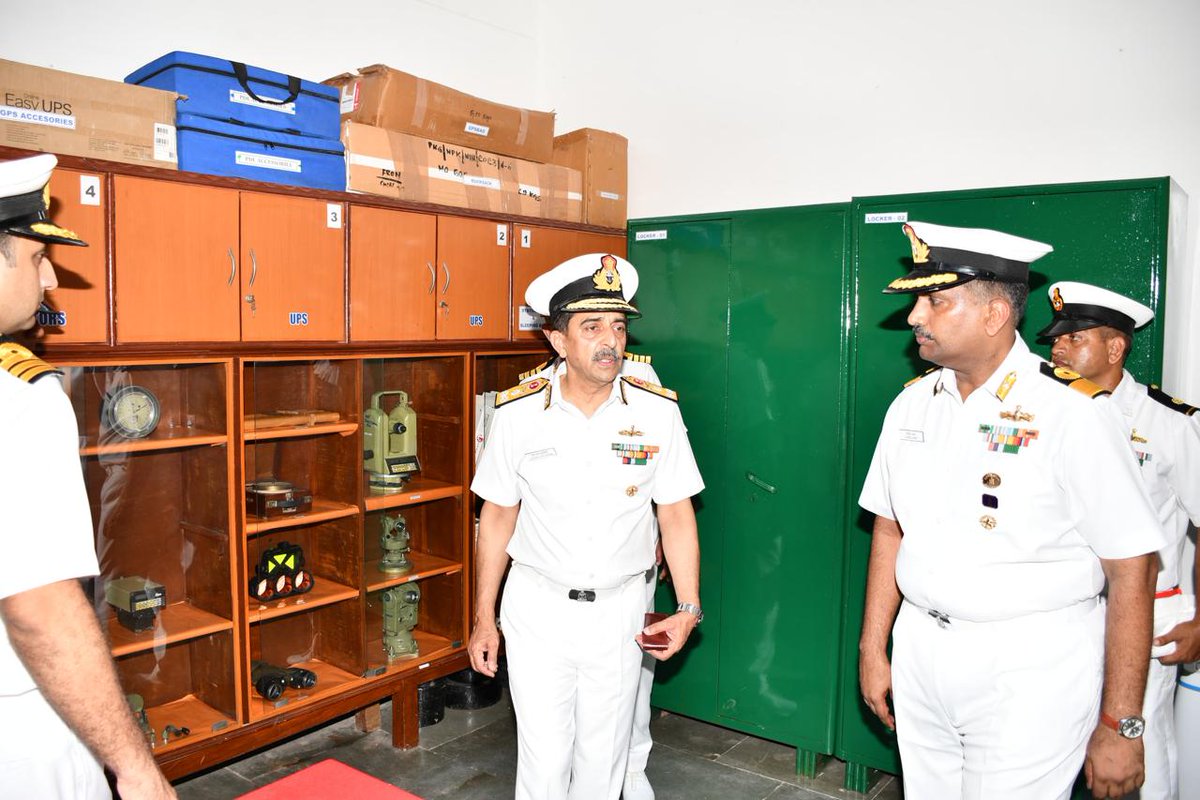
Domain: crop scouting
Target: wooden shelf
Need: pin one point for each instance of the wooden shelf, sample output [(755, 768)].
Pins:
[(330, 680), (177, 622), (430, 645), (187, 712), (158, 441), (423, 566), (343, 428), (324, 592), (418, 490), (321, 510)]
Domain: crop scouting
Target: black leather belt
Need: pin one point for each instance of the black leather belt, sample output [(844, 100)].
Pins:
[(582, 595)]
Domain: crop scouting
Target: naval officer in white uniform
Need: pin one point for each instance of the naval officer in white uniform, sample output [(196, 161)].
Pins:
[(1004, 495), (1092, 334), (572, 470)]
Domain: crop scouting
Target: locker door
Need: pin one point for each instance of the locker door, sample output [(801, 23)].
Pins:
[(784, 475), (684, 300), (1113, 234)]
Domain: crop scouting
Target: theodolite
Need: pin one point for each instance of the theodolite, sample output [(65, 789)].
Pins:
[(394, 541), (399, 618), (390, 443)]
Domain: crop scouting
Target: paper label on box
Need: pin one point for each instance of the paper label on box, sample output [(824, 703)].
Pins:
[(374, 162), (349, 97), (481, 181), (164, 143), (476, 128), (644, 236), (610, 195), (575, 196), (244, 159), (89, 190), (242, 98), (892, 216), (529, 320), (64, 121)]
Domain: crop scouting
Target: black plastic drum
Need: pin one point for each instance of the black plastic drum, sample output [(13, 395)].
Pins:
[(468, 689)]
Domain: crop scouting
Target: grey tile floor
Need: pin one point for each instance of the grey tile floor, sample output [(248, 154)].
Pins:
[(471, 755)]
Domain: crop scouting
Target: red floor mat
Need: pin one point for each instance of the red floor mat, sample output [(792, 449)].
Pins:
[(329, 780)]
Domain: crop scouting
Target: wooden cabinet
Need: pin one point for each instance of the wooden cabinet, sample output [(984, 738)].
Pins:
[(202, 263), (77, 311), (473, 278), (537, 249)]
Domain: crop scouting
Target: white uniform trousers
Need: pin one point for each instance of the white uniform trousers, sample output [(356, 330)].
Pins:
[(1187, 733), (996, 710), (40, 757), (639, 739), (573, 670), (1158, 706)]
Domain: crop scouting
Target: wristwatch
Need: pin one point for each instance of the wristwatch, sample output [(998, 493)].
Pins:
[(691, 608), (1131, 727)]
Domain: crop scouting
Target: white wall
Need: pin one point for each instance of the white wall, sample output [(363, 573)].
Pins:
[(731, 105)]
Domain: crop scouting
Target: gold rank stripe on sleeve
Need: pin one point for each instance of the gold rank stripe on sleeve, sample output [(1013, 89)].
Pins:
[(653, 388), (1173, 403), (1073, 380), (913, 380), (637, 357), (527, 389), (23, 364)]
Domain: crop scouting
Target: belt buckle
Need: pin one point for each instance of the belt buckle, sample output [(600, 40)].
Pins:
[(942, 620), (582, 595)]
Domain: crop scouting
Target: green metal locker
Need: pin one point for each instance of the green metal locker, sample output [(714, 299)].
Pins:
[(745, 316), (1112, 233)]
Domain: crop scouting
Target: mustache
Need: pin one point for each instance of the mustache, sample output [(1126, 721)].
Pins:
[(922, 331), (606, 353)]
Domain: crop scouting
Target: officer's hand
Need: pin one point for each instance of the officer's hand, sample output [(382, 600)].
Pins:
[(1114, 766), (875, 680), (1186, 636), (484, 648), (678, 628)]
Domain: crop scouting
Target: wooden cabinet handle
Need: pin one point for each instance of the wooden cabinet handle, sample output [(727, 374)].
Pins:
[(232, 268), (432, 277), (253, 266), (446, 269)]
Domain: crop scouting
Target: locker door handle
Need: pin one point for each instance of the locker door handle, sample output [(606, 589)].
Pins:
[(446, 269), (232, 268), (253, 267), (432, 277), (760, 483)]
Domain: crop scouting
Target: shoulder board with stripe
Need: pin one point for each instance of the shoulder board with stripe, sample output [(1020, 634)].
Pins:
[(23, 364), (529, 373), (1073, 380), (1173, 403), (911, 381), (653, 388), (641, 359), (527, 389)]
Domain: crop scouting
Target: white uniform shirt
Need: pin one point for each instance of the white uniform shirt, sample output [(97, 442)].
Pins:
[(45, 522), (1167, 444), (1065, 492), (585, 485)]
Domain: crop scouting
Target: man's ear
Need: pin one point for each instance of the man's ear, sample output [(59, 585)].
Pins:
[(1115, 349), (558, 341), (999, 312)]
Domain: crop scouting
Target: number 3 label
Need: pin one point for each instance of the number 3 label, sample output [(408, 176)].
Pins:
[(333, 216)]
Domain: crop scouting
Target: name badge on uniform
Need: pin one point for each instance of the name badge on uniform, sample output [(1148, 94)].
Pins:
[(911, 436), (546, 453)]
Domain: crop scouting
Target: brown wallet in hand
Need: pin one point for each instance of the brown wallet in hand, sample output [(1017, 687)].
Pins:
[(655, 641)]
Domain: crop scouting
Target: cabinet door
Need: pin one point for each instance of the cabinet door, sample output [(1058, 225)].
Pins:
[(78, 308), (536, 250), (293, 269), (174, 262), (602, 243), (392, 275), (473, 279)]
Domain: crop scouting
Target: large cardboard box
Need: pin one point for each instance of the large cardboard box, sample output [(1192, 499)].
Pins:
[(603, 158), (69, 114), (388, 98), (424, 170)]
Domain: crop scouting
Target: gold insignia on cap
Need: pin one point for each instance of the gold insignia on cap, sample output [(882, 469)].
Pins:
[(920, 250), (1017, 415), (46, 197), (631, 491), (987, 521), (991, 480), (923, 281), (47, 229), (1056, 300), (607, 279)]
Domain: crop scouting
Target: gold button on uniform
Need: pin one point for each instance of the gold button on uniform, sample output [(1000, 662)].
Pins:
[(991, 480), (987, 521), (631, 491)]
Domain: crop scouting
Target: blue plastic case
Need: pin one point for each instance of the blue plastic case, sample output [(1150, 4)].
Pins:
[(232, 91)]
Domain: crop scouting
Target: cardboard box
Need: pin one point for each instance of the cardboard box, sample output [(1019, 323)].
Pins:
[(68, 114), (603, 158), (391, 99), (424, 170)]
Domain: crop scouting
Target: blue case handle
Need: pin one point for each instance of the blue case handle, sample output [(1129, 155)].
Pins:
[(243, 77)]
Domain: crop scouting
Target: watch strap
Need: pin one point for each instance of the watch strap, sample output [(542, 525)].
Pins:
[(1110, 721), (692, 609)]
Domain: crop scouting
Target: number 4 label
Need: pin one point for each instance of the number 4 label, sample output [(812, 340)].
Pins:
[(89, 190)]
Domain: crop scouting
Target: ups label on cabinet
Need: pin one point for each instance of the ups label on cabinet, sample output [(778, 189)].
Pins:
[(298, 318)]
